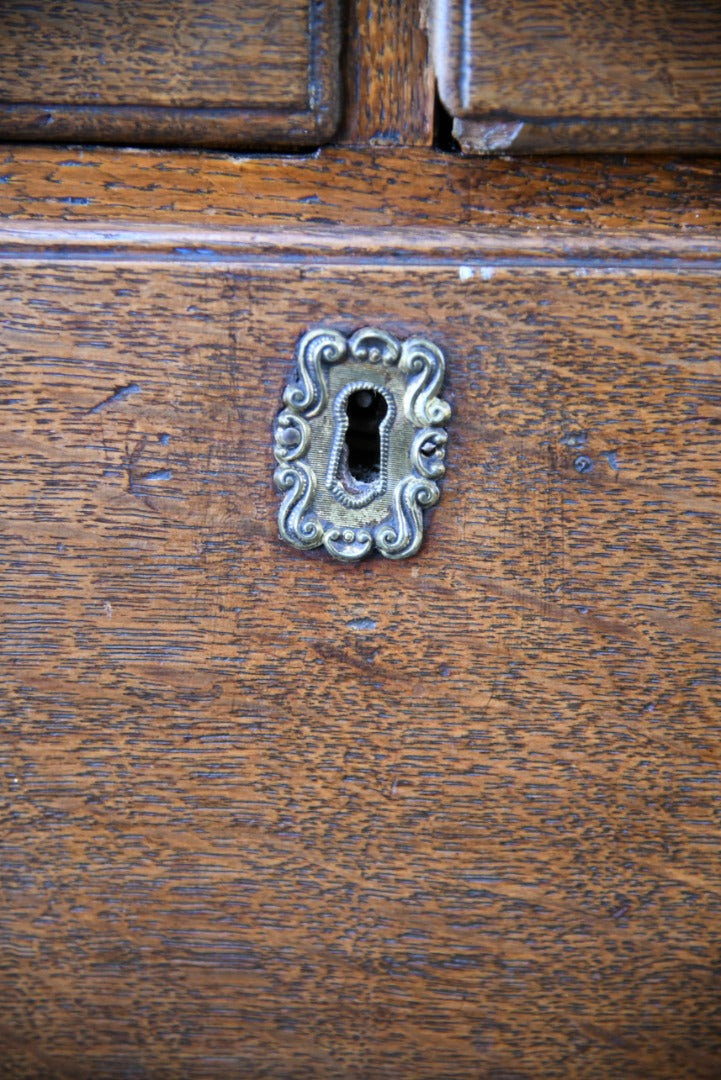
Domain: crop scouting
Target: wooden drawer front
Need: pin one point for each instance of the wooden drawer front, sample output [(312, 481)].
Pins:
[(270, 815), (547, 75), (241, 73)]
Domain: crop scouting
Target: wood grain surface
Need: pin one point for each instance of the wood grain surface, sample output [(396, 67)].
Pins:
[(215, 74), (265, 815), (389, 85), (548, 75), (550, 206)]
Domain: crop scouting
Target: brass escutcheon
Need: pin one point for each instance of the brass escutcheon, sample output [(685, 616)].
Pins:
[(360, 443)]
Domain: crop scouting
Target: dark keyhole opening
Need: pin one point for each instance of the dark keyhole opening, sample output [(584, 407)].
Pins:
[(365, 410)]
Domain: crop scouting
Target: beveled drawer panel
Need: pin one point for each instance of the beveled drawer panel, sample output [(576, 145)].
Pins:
[(233, 74), (546, 75)]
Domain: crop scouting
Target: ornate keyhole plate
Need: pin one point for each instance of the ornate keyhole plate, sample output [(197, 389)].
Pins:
[(360, 443)]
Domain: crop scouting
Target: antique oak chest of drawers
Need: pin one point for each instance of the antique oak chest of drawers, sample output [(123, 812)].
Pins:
[(266, 813)]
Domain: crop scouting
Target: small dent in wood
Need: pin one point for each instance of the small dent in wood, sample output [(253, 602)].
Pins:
[(362, 624), (158, 474), (575, 439), (467, 273)]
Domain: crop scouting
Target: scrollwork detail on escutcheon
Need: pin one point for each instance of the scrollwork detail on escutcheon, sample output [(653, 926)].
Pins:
[(426, 366), (316, 350), (298, 525), (403, 534)]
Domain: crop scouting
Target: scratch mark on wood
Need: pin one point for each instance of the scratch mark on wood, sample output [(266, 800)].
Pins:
[(131, 459), (119, 394)]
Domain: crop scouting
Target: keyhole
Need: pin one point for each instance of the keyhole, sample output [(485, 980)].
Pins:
[(365, 410)]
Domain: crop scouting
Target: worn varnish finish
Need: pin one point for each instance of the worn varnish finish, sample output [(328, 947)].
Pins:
[(266, 815), (616, 203), (224, 73), (549, 75)]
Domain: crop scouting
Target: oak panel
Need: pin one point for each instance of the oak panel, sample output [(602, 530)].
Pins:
[(389, 85), (560, 205), (269, 815), (218, 73)]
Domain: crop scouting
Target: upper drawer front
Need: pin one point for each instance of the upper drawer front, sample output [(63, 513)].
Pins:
[(548, 75), (221, 73)]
